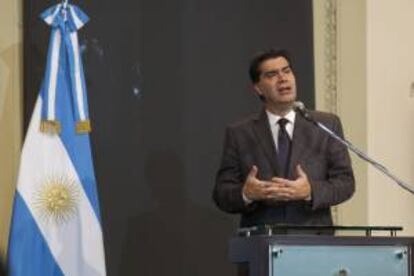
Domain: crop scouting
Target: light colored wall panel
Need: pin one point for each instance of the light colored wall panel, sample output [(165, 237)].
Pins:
[(10, 107), (375, 99), (390, 45), (340, 78), (352, 100)]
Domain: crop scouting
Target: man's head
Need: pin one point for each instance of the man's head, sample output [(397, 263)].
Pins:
[(273, 79)]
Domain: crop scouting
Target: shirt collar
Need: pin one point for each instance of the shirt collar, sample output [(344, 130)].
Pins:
[(273, 118)]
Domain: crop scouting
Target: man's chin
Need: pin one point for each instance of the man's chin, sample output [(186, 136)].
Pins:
[(286, 97), (284, 101), (288, 102)]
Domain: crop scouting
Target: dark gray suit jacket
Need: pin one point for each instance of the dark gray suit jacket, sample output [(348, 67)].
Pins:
[(325, 161)]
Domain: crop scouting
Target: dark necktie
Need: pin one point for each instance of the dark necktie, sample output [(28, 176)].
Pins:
[(283, 146)]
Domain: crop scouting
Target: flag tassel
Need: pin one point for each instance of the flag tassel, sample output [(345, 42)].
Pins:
[(50, 126)]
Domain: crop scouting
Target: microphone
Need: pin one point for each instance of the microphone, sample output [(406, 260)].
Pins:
[(299, 107)]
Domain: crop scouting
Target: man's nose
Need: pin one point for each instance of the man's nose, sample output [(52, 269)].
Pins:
[(282, 77)]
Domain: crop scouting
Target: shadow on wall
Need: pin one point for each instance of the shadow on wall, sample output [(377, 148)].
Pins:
[(3, 270), (177, 237)]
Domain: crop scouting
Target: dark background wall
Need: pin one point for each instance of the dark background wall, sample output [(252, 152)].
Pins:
[(164, 79)]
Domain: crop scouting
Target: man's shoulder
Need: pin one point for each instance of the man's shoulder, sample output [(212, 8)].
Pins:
[(246, 121), (322, 116)]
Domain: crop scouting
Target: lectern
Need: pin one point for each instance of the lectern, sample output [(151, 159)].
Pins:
[(297, 251)]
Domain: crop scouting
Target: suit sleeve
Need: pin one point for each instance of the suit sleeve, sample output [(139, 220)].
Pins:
[(227, 192), (339, 184)]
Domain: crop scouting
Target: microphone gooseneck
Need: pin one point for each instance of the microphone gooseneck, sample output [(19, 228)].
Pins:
[(299, 107)]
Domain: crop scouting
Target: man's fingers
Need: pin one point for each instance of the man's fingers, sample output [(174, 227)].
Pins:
[(253, 172), (300, 171), (279, 196), (278, 179), (281, 181), (278, 192)]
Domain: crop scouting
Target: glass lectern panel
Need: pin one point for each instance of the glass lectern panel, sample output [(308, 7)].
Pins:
[(313, 260)]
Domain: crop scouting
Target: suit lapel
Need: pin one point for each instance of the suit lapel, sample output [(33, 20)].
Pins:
[(265, 139)]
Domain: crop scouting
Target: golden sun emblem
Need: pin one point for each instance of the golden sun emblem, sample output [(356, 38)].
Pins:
[(57, 199)]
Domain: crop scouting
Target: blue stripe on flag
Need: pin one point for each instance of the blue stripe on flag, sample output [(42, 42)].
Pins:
[(28, 240), (83, 83), (50, 14), (71, 60)]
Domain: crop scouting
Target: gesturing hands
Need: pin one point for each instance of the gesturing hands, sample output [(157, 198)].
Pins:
[(255, 189), (277, 188)]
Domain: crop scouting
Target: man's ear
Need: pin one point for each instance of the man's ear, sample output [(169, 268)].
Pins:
[(257, 90)]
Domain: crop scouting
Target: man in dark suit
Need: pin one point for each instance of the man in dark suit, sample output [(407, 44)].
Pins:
[(277, 167)]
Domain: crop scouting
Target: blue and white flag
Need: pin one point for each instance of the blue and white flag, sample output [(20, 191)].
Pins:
[(56, 226)]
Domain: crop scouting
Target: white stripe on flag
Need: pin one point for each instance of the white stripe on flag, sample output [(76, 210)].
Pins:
[(51, 17), (76, 19), (79, 87), (53, 75)]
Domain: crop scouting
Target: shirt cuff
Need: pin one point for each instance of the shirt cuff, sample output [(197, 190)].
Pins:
[(246, 200)]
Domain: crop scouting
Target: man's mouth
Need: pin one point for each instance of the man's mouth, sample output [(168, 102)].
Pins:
[(284, 89)]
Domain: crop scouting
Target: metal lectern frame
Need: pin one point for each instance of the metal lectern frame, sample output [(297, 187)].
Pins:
[(254, 245)]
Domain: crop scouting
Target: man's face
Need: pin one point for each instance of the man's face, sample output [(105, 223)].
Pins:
[(277, 83)]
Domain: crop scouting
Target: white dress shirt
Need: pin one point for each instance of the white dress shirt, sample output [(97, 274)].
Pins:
[(274, 126)]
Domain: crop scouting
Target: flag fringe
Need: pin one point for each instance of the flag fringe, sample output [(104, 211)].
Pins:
[(83, 127), (50, 126)]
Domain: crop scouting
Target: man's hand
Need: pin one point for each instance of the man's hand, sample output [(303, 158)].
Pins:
[(298, 189), (255, 189), (278, 189)]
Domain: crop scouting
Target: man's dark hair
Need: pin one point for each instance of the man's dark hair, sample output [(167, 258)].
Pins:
[(259, 58)]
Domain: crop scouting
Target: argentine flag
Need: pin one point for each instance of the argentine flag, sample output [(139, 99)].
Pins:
[(56, 226)]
